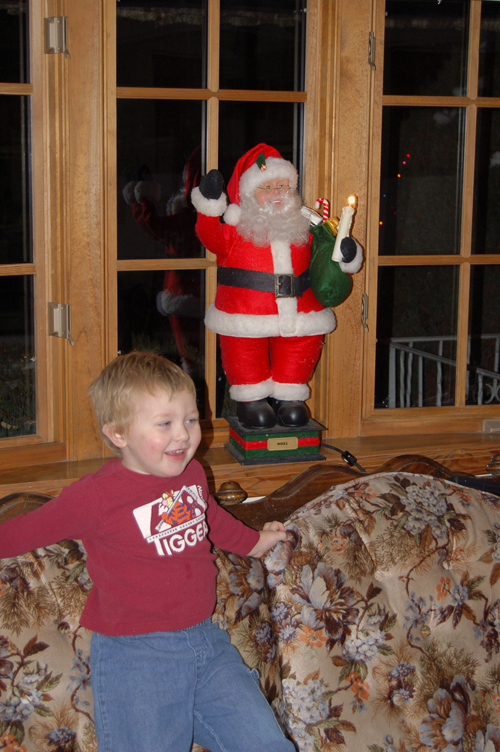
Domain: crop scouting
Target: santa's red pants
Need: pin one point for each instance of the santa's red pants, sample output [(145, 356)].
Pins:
[(270, 360)]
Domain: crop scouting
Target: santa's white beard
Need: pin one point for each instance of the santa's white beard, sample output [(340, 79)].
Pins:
[(263, 224)]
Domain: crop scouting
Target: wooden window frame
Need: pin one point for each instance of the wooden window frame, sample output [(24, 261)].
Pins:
[(448, 419)]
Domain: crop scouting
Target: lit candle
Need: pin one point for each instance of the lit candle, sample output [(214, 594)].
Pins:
[(344, 226)]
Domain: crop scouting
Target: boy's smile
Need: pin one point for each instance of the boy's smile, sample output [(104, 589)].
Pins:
[(163, 435)]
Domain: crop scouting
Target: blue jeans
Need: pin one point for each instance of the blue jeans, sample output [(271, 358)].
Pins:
[(161, 691)]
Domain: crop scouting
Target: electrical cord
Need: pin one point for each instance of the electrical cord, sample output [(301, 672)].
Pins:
[(346, 456)]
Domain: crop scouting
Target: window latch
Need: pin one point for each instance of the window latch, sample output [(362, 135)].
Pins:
[(55, 32), (60, 321)]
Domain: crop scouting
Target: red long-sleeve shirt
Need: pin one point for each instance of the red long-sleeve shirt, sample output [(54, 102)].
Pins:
[(149, 543)]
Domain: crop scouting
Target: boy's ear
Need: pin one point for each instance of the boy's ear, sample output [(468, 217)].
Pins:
[(115, 435)]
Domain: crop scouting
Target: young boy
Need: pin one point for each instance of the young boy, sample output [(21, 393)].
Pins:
[(163, 674)]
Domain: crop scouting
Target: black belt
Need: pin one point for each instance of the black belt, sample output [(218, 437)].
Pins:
[(281, 285)]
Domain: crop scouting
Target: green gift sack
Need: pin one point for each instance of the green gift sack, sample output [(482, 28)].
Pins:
[(329, 283)]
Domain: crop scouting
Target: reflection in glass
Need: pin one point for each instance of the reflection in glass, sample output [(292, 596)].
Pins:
[(15, 219), (425, 47), (14, 49), (17, 357), (421, 180), (486, 222), (225, 406), (262, 45), (159, 162), (489, 50), (483, 372), (163, 311), (243, 125), (161, 44), (416, 336)]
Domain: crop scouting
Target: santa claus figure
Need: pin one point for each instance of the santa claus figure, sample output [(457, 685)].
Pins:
[(270, 323)]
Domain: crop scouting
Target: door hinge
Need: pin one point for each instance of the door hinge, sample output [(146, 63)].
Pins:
[(371, 50), (364, 311), (55, 29), (60, 321)]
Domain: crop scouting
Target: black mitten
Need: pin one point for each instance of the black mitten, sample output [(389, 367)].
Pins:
[(348, 249), (212, 184)]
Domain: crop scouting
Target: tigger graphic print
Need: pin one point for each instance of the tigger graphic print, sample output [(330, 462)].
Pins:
[(176, 520)]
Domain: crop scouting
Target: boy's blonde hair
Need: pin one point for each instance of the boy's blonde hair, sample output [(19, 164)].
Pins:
[(129, 376)]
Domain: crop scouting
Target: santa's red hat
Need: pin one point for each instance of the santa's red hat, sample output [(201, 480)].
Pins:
[(259, 164)]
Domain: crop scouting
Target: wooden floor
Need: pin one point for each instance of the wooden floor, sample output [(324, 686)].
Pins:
[(466, 452)]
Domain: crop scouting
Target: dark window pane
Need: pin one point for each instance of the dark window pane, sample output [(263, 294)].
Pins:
[(226, 407), (425, 50), (14, 49), (159, 163), (421, 180), (416, 336), (262, 45), (15, 193), (243, 125), (160, 44), (486, 223), (483, 374), (17, 357), (489, 50), (164, 312)]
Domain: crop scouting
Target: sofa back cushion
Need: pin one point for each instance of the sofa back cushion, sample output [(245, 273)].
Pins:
[(376, 625)]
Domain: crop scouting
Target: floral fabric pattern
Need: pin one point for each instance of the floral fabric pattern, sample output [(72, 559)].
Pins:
[(376, 625), (45, 697)]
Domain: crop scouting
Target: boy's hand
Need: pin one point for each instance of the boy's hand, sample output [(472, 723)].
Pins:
[(269, 536)]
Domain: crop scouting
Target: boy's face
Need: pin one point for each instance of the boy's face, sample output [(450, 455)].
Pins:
[(163, 435)]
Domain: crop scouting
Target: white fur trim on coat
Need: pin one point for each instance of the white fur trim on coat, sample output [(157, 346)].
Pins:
[(275, 168), (290, 392), (255, 325), (233, 215), (251, 392), (355, 265), (210, 207)]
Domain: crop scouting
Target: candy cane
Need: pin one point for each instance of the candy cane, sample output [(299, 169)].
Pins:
[(326, 207)]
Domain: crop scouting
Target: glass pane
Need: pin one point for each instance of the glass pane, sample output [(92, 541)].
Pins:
[(486, 222), (161, 43), (15, 219), (245, 124), (164, 312), (416, 336), (159, 162), (17, 357), (14, 60), (226, 407), (489, 50), (425, 50), (421, 180), (262, 45), (483, 374)]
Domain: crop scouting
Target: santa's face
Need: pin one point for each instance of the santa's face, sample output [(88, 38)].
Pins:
[(272, 191)]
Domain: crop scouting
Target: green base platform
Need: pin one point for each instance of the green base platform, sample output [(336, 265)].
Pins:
[(255, 446)]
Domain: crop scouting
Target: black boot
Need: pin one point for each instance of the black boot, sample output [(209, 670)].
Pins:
[(258, 414), (291, 413)]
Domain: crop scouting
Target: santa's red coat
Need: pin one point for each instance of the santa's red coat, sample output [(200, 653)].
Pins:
[(242, 312)]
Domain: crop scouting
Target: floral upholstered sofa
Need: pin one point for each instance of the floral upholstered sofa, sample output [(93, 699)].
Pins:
[(375, 627)]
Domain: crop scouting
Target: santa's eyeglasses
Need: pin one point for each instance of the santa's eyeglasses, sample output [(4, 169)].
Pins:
[(272, 188)]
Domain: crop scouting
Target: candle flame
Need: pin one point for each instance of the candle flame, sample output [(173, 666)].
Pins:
[(352, 200)]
